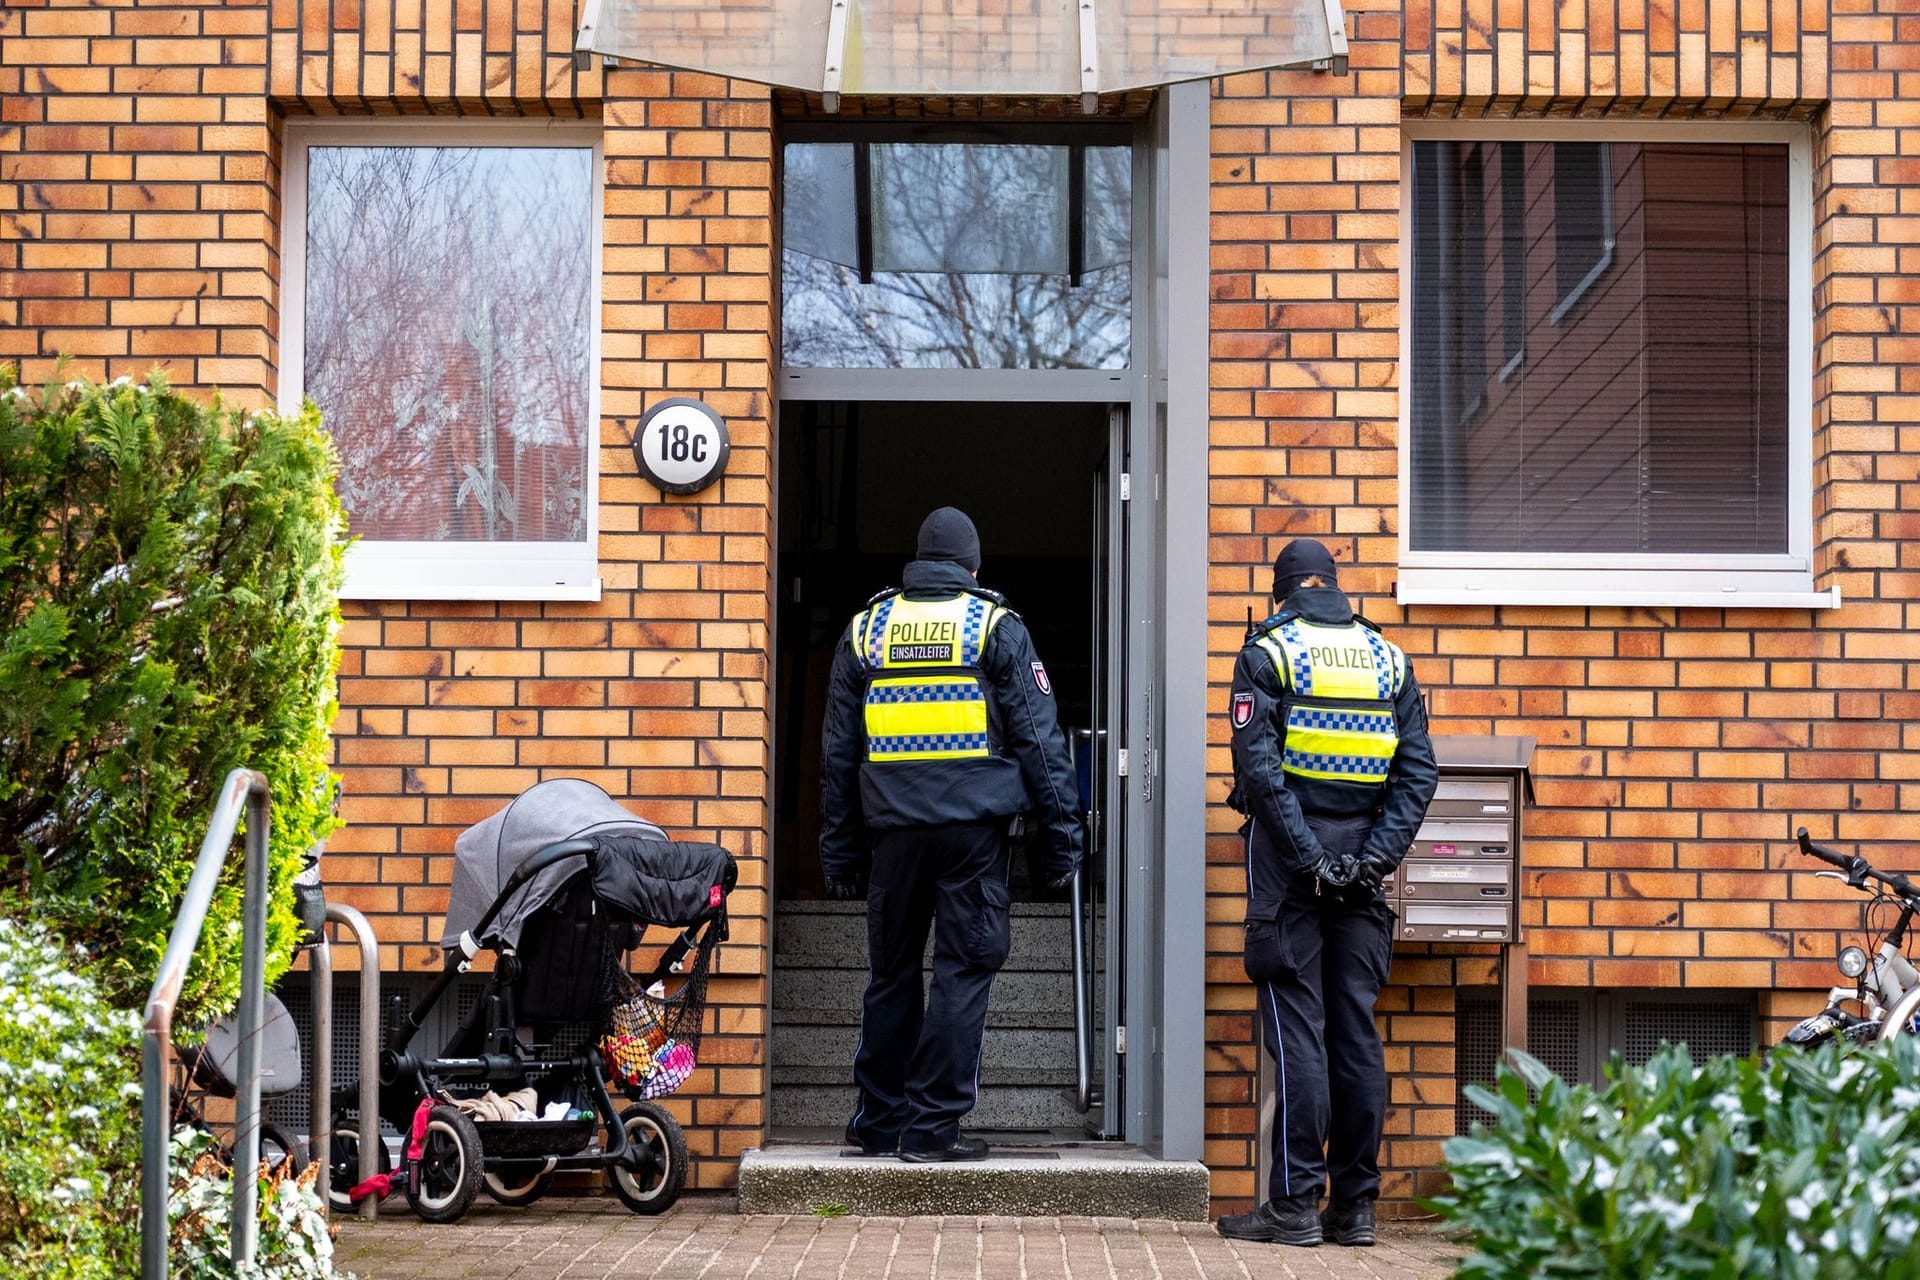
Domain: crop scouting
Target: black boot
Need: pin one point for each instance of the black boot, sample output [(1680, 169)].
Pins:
[(1349, 1222), (1295, 1222), (961, 1148)]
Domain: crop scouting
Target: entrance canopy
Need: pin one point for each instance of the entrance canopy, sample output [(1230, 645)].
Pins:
[(991, 48)]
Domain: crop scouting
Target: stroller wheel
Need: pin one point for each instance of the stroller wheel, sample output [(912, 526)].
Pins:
[(446, 1178), (343, 1157), (279, 1152), (519, 1183), (649, 1177)]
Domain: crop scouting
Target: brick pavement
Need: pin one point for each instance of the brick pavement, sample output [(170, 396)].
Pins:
[(703, 1239)]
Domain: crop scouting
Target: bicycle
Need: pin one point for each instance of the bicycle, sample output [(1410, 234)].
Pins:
[(1887, 988)]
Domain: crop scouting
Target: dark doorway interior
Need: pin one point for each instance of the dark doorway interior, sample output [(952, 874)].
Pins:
[(855, 481)]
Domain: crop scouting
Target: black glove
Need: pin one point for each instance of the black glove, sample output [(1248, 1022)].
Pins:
[(846, 888), (1059, 880), (1375, 867), (1337, 870)]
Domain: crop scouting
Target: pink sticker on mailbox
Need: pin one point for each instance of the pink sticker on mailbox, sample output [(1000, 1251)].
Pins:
[(1446, 850)]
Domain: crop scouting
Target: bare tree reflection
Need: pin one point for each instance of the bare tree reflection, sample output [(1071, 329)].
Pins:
[(447, 314), (970, 256)]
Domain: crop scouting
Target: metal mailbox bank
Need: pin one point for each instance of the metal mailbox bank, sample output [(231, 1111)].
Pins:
[(1461, 880)]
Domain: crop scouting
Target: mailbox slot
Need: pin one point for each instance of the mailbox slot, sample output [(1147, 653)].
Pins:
[(1458, 880), (1455, 922)]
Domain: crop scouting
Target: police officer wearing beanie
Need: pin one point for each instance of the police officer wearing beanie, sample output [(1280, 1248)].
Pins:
[(940, 727), (1334, 769)]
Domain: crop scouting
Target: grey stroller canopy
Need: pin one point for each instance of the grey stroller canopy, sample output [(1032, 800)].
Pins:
[(636, 868)]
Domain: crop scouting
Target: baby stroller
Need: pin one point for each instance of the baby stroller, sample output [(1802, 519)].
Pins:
[(560, 886)]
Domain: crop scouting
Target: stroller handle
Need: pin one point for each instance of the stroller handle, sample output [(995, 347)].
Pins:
[(410, 1022), (532, 867)]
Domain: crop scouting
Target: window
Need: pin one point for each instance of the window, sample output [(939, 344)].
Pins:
[(441, 308), (1011, 253), (1648, 437)]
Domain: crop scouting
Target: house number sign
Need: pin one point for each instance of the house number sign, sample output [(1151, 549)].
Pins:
[(681, 445)]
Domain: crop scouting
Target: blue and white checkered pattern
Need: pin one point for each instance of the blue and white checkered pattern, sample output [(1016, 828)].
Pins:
[(1383, 665), (1358, 768), (1296, 645), (973, 631), (1354, 721), (877, 633), (906, 743), (962, 690)]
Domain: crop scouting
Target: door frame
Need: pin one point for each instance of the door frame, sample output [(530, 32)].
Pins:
[(1162, 577)]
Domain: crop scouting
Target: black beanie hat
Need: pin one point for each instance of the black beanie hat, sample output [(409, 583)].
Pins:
[(947, 534), (1298, 560)]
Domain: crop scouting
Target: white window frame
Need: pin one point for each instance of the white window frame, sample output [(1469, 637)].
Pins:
[(1783, 581), (380, 570)]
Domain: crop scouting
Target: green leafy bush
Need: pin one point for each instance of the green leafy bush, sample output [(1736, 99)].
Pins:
[(70, 1143), (169, 575), (293, 1243), (69, 1118), (1798, 1167)]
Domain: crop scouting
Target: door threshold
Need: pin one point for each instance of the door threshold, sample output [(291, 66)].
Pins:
[(1006, 1139)]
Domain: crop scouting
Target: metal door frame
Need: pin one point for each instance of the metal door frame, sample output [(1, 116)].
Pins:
[(1157, 646)]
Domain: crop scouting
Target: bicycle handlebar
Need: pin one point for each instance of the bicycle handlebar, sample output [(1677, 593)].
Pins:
[(1858, 870)]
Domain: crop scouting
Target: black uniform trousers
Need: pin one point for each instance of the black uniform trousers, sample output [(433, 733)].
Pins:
[(918, 1064), (1317, 968)]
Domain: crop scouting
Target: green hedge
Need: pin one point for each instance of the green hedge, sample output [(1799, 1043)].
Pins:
[(169, 574), (1795, 1167)]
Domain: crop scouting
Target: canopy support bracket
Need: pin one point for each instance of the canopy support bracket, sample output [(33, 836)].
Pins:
[(1337, 37), (836, 56), (583, 39), (1090, 58)]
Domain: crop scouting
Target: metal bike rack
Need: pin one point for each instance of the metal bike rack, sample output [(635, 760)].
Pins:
[(319, 1146), (245, 790)]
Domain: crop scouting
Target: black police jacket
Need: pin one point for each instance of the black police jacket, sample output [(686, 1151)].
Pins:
[(1295, 819), (1031, 771)]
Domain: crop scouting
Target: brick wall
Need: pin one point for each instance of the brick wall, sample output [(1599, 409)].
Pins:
[(1678, 748), (138, 196), (658, 692), (138, 226)]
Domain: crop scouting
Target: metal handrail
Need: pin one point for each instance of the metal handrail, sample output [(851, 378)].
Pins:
[(1082, 980), (319, 1146), (1082, 1002), (246, 789)]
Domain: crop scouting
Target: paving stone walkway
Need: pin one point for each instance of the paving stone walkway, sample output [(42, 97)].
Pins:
[(703, 1239)]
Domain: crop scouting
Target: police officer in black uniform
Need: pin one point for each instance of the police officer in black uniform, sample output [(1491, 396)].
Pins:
[(940, 727), (1334, 770)]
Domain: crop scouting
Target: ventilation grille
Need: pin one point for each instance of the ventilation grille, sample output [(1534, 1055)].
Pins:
[(1573, 1032), (1707, 1027), (294, 1111)]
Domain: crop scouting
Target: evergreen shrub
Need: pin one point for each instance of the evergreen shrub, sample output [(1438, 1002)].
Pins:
[(1798, 1166), (169, 578)]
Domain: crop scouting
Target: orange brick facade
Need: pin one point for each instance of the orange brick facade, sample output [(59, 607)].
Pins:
[(139, 225)]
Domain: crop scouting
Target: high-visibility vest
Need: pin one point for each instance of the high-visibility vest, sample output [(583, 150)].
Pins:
[(926, 694), (1341, 683)]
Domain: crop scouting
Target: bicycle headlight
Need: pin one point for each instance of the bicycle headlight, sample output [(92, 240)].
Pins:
[(1852, 962)]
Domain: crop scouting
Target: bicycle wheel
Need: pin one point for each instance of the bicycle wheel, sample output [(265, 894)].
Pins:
[(1900, 1018)]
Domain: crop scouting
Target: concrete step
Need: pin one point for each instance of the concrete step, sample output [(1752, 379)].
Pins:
[(1092, 1181), (831, 997), (1004, 1049), (833, 935), (1003, 1107)]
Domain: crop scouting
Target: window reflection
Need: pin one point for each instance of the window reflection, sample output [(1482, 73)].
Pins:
[(971, 255)]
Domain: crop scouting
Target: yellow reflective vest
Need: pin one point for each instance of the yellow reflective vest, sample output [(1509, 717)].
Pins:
[(926, 694), (1341, 683)]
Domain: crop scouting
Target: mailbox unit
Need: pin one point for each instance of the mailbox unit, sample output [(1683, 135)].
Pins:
[(1461, 880)]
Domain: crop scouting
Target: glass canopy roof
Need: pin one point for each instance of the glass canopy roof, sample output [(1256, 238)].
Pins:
[(968, 47)]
